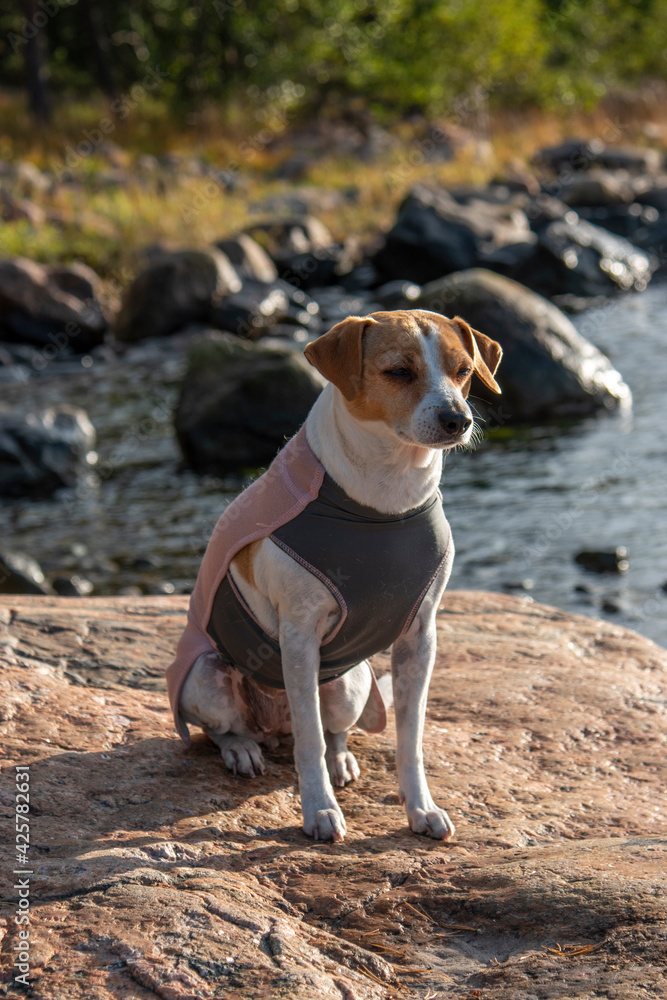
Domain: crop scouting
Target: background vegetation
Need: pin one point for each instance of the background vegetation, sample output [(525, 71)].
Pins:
[(238, 90), (398, 55)]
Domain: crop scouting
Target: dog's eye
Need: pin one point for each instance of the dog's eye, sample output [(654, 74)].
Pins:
[(464, 372), (403, 374)]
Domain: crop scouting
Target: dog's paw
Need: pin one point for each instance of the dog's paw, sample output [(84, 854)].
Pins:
[(324, 824), (241, 755), (342, 767), (433, 822)]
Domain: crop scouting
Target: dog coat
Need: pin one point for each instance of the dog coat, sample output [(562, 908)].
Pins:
[(377, 566)]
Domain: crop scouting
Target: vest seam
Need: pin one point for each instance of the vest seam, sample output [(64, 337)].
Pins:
[(333, 589), (413, 613)]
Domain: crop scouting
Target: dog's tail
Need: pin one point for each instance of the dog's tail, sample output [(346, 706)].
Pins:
[(386, 690)]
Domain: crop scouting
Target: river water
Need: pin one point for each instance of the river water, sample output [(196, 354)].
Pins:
[(521, 506)]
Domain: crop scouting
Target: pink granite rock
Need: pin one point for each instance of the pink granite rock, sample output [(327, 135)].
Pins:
[(157, 873)]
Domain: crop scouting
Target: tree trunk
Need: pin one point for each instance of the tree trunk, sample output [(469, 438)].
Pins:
[(35, 64)]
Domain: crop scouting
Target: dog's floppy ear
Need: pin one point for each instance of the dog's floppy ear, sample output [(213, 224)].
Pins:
[(338, 354), (486, 353)]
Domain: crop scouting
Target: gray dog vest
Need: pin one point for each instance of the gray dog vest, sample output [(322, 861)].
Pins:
[(378, 567)]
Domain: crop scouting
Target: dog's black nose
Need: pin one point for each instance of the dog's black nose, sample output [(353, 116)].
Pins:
[(454, 422)]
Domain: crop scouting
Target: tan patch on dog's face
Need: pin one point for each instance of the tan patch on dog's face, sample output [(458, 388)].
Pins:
[(405, 356)]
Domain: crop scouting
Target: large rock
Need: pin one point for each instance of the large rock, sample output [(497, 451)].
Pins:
[(548, 369), (249, 258), (157, 873), (579, 155), (260, 306), (43, 452), (21, 574), (575, 257), (435, 235), (175, 289), (240, 401), (53, 308)]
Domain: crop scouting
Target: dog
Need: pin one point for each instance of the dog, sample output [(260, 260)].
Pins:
[(340, 550)]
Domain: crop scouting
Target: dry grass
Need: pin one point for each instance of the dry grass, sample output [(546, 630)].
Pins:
[(107, 223)]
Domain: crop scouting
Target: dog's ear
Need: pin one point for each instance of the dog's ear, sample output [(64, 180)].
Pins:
[(338, 354), (486, 353)]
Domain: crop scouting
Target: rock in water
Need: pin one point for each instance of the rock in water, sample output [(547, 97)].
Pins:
[(43, 452), (55, 309), (240, 401), (174, 290), (435, 235), (548, 369), (21, 574)]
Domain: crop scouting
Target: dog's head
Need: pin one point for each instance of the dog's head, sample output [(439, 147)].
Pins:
[(411, 370)]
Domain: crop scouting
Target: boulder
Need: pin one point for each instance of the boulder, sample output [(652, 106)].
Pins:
[(579, 155), (624, 220), (435, 235), (53, 308), (548, 369), (574, 257), (175, 289), (43, 452), (596, 188), (300, 234), (259, 307), (21, 574), (240, 401), (249, 258), (157, 873)]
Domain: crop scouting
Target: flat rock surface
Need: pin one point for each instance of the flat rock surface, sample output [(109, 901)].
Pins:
[(157, 873)]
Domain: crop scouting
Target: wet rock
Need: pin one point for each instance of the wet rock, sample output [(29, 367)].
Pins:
[(175, 289), (435, 235), (240, 401), (575, 154), (596, 561), (159, 874), (72, 586), (43, 452), (573, 257), (53, 308), (21, 574), (548, 370), (361, 278), (249, 258), (397, 294), (326, 266), (336, 303), (596, 188), (252, 311), (304, 251), (299, 235), (259, 307), (623, 220)]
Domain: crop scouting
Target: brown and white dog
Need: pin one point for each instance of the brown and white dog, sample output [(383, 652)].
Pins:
[(396, 400)]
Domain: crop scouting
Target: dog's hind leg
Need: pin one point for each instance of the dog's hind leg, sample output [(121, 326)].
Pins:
[(210, 699), (341, 703)]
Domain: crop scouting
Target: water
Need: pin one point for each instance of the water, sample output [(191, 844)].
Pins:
[(520, 507)]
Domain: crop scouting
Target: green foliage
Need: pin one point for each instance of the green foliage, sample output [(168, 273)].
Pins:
[(394, 55)]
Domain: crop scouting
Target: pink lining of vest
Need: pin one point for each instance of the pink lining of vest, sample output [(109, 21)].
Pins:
[(289, 484)]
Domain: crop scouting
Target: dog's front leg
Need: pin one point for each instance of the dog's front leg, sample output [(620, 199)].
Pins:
[(322, 817), (412, 664)]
